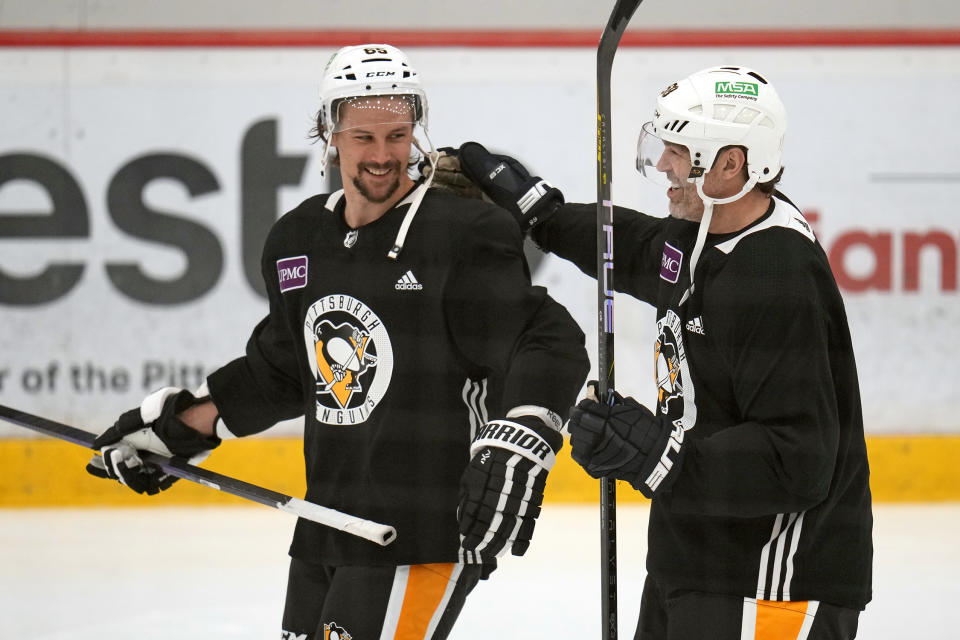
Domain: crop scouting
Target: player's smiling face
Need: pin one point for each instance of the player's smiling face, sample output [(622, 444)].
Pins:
[(373, 142), (685, 203)]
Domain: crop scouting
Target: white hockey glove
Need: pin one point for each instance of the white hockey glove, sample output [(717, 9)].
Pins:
[(152, 427), (502, 487), (625, 441), (507, 182)]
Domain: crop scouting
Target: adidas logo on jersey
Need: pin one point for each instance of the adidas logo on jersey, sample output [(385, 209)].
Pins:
[(696, 325), (408, 282)]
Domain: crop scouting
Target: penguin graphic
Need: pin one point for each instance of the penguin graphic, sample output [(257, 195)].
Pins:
[(667, 367), (333, 631), (343, 356)]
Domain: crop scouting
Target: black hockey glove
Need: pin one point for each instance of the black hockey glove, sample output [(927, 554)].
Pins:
[(625, 441), (530, 199), (502, 487), (449, 175), (153, 427)]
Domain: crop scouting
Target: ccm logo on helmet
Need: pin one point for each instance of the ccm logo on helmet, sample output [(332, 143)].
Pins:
[(381, 74)]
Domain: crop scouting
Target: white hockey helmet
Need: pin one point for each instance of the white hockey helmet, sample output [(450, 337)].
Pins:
[(716, 108), (370, 70), (378, 77), (705, 112)]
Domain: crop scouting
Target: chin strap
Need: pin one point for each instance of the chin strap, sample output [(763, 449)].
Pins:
[(421, 191), (704, 228), (325, 155)]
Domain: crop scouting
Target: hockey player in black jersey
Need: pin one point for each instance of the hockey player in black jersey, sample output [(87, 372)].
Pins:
[(432, 376), (754, 457)]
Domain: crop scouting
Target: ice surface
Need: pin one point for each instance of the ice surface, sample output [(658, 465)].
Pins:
[(219, 573)]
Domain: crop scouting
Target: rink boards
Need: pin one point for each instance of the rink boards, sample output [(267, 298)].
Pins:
[(138, 183), (43, 472)]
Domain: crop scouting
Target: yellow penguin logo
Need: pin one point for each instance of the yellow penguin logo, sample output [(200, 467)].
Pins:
[(342, 359), (333, 631), (350, 356), (667, 367), (675, 389)]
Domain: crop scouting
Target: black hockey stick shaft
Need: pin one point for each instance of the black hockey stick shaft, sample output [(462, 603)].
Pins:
[(623, 10), (369, 530)]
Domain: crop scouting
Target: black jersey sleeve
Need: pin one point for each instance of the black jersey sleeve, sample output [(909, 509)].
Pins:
[(571, 233), (779, 336), (261, 388), (507, 328)]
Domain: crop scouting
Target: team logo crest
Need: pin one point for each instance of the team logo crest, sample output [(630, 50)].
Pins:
[(669, 378), (351, 358), (674, 388), (333, 631)]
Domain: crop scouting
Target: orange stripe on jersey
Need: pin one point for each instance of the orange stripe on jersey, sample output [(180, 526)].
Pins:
[(426, 586), (780, 620)]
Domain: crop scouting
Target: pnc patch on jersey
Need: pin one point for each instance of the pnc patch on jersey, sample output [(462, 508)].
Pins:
[(350, 357), (670, 263), (292, 273), (333, 631)]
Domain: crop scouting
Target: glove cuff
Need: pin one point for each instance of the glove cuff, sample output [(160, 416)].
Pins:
[(161, 408), (549, 418), (185, 441), (519, 438), (154, 405), (658, 474)]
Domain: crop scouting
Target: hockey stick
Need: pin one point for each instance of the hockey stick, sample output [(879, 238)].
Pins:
[(373, 531), (623, 10)]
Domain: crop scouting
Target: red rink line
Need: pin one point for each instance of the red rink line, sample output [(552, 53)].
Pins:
[(483, 38)]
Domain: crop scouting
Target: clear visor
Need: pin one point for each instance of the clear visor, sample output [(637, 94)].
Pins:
[(365, 111), (650, 149)]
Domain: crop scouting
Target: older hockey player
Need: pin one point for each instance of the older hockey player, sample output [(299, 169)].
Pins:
[(433, 377), (754, 455)]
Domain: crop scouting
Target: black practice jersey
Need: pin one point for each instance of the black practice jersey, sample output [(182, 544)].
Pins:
[(396, 363), (755, 371)]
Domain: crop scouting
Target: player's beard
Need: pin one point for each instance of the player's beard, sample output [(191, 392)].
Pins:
[(385, 193), (688, 206)]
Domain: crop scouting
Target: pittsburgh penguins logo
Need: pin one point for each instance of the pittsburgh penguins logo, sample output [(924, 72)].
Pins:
[(350, 356), (333, 631), (669, 377), (675, 392)]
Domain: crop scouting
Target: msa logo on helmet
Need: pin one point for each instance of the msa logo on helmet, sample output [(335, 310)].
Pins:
[(738, 88)]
